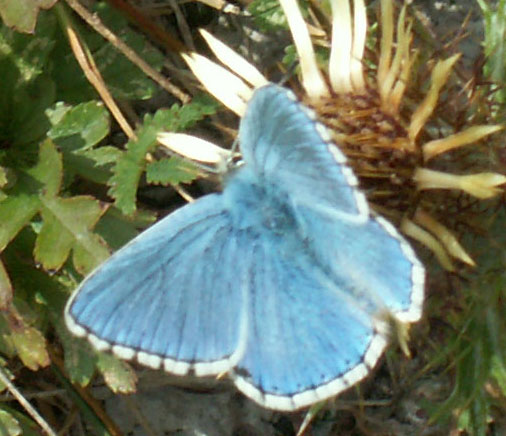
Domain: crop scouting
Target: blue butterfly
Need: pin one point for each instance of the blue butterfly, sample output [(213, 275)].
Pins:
[(285, 280)]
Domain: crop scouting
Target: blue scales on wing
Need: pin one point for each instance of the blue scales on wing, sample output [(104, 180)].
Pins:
[(287, 149), (163, 300), (308, 339), (327, 273), (284, 279), (373, 261)]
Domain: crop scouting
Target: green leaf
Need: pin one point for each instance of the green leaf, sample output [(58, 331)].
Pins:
[(170, 171), (499, 373), (5, 288), (131, 164), (28, 427), (268, 15), (103, 155), (80, 359), (93, 164), (79, 127), (3, 177), (27, 88), (67, 225), (76, 130), (180, 118), (9, 426), (31, 347), (117, 229), (15, 212), (27, 53), (124, 79), (66, 222), (48, 170), (21, 338), (22, 14), (494, 14), (118, 374)]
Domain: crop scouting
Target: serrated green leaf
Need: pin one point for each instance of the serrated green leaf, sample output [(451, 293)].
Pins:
[(81, 127), (103, 155), (130, 166), (66, 222), (48, 170), (88, 256), (76, 130), (123, 184), (180, 118), (22, 14), (170, 171), (31, 347), (16, 211), (9, 426), (67, 225), (118, 374)]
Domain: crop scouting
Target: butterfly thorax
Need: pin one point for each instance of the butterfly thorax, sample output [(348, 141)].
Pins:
[(257, 205)]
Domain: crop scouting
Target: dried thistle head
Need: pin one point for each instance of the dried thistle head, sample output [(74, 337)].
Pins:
[(379, 117)]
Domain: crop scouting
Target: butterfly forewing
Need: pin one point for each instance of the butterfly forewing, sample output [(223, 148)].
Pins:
[(164, 296), (286, 149)]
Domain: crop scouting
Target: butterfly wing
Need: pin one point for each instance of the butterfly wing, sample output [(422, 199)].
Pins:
[(287, 148), (317, 316), (308, 339), (162, 298), (371, 259), (317, 319), (289, 153)]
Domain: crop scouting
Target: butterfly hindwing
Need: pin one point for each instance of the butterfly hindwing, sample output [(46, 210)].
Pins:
[(172, 297), (370, 259), (288, 149), (308, 339)]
